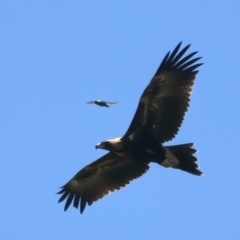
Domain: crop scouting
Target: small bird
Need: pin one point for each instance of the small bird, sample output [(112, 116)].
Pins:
[(101, 103), (159, 115)]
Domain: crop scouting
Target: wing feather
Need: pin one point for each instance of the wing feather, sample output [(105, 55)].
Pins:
[(111, 102), (98, 179), (166, 99)]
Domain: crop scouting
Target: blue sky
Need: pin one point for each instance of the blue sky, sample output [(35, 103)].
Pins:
[(57, 55)]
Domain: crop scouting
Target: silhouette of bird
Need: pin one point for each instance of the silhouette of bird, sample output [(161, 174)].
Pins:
[(101, 103), (158, 117)]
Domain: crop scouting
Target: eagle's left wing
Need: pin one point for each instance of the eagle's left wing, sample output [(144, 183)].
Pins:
[(165, 100)]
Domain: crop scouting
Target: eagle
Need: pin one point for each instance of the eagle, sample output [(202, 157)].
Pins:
[(101, 103), (158, 117)]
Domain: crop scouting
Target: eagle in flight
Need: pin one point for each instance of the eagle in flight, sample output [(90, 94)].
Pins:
[(101, 103), (158, 117)]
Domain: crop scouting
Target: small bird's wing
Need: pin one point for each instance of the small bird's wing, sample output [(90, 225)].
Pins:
[(111, 102), (100, 178), (165, 100), (100, 101)]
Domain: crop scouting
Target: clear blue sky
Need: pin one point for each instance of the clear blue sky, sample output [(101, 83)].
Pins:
[(57, 55)]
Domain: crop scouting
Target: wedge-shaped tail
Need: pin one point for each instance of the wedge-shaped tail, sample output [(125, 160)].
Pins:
[(182, 157)]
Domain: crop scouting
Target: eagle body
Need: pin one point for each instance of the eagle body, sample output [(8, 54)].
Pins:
[(140, 147), (158, 117)]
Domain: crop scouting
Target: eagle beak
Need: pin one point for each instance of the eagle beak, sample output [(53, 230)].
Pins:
[(100, 145), (97, 146)]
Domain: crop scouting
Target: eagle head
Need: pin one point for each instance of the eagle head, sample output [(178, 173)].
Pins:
[(110, 145)]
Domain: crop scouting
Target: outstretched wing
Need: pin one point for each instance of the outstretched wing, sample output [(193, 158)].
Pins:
[(100, 101), (111, 102), (165, 101), (100, 178)]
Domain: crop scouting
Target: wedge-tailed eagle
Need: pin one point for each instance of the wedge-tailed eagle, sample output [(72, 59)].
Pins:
[(158, 117)]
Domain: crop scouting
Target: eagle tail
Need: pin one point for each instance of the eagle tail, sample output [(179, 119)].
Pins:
[(181, 157)]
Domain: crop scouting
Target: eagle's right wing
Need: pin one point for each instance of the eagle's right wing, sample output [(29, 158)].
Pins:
[(100, 178)]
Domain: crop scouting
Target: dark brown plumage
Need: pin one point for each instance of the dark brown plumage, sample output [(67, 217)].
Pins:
[(159, 115), (101, 103)]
